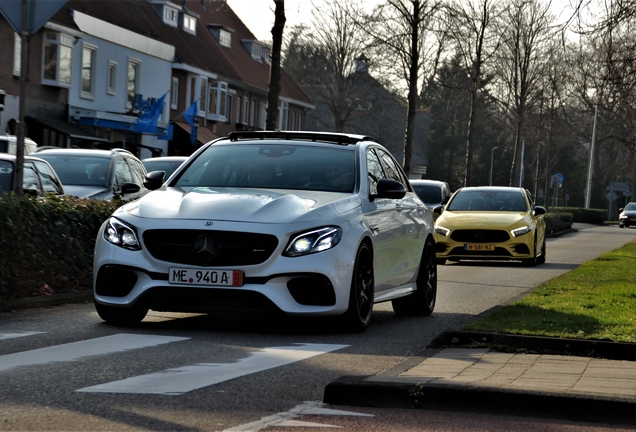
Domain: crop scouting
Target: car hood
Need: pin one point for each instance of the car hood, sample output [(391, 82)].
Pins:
[(482, 220), (246, 205), (95, 192)]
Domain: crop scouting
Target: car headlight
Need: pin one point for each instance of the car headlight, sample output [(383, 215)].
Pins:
[(317, 240), (520, 231), (120, 234), (622, 216), (443, 231)]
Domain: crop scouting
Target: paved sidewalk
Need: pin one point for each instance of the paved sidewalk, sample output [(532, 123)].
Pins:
[(478, 378)]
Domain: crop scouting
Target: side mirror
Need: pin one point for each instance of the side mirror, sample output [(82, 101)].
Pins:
[(129, 188), (438, 209), (538, 210), (390, 189), (620, 209), (154, 180)]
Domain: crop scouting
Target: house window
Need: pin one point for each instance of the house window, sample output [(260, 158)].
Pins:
[(56, 62), (170, 16), (189, 24), (225, 38), (17, 54), (192, 90), (218, 98), (88, 71), (263, 115), (132, 85), (112, 77), (174, 93), (252, 113), (239, 104), (283, 111), (203, 95), (246, 110), (299, 122), (292, 120), (228, 109)]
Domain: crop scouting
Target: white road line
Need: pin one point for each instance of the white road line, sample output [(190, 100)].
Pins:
[(77, 350), (286, 419), (18, 334), (181, 380)]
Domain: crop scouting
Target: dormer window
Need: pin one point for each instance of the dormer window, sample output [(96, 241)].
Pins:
[(259, 51), (170, 16), (225, 38), (222, 34), (189, 23)]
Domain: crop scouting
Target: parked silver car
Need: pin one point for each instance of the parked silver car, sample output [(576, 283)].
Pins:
[(39, 178), (97, 174), (306, 223)]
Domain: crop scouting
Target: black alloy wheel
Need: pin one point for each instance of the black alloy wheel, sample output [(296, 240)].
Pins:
[(422, 301), (358, 316)]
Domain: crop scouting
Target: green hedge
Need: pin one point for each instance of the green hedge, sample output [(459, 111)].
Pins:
[(46, 244), (555, 222), (583, 215)]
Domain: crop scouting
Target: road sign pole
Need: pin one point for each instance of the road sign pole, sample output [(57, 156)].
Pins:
[(590, 164)]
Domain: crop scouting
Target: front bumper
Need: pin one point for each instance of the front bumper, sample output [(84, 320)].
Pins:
[(516, 248)]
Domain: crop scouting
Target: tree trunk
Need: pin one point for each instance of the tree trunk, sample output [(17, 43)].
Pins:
[(412, 95), (274, 70)]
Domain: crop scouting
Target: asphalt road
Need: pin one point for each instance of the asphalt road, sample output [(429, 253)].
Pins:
[(62, 368)]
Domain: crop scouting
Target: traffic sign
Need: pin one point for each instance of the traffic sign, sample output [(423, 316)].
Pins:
[(567, 197), (611, 196), (39, 12), (560, 177)]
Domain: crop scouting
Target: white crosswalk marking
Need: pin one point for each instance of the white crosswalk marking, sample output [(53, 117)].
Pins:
[(188, 378), (77, 350), (18, 334)]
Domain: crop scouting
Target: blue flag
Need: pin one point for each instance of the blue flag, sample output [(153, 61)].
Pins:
[(190, 115), (147, 120)]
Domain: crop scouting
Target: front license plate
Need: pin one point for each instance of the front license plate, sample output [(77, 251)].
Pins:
[(206, 277), (479, 247)]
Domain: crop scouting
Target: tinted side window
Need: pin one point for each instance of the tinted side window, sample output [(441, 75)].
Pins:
[(31, 180), (6, 177), (122, 174), (138, 172), (50, 184), (393, 170), (374, 171)]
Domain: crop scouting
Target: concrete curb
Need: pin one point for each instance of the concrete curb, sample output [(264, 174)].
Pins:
[(536, 344), (46, 301), (395, 393)]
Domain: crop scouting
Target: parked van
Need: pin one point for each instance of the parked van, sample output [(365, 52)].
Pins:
[(8, 144)]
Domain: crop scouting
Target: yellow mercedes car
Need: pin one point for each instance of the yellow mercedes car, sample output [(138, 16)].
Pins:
[(490, 223)]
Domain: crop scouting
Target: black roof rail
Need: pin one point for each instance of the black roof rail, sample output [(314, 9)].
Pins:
[(338, 138)]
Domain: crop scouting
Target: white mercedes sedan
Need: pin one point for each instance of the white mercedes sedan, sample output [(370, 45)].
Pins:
[(304, 223)]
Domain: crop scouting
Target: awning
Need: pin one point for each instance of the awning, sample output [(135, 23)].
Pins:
[(67, 129), (204, 135)]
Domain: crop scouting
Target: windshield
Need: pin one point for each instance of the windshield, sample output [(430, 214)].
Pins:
[(631, 206), (428, 194), (162, 165), (471, 200), (79, 170), (272, 165)]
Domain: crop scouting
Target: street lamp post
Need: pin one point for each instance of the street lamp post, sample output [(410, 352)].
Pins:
[(492, 156)]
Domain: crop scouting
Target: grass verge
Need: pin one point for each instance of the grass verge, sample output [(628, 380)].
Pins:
[(594, 301)]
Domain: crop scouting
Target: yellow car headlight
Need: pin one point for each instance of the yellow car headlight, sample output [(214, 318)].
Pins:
[(520, 231), (442, 231)]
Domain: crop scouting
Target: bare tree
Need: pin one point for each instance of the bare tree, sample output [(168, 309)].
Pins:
[(403, 30), (323, 59), (470, 25), (527, 31), (274, 70)]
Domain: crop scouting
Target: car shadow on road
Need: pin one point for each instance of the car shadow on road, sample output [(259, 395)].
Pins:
[(514, 264)]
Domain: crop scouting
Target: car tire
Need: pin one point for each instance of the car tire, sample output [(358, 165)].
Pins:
[(422, 301), (621, 225), (358, 315), (541, 259), (119, 315)]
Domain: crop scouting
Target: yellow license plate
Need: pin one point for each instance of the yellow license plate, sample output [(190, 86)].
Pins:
[(479, 247)]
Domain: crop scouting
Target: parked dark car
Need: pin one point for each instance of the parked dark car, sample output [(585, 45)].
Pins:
[(167, 164), (39, 178)]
